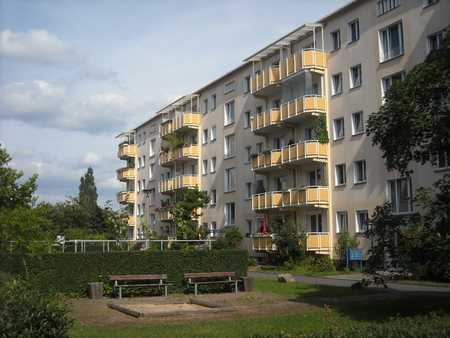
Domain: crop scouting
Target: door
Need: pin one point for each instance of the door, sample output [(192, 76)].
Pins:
[(316, 223)]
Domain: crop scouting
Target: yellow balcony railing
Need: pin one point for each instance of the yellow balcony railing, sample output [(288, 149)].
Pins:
[(266, 119), (165, 215), (179, 182), (262, 242), (181, 122), (125, 174), (125, 197), (306, 59), (309, 196), (318, 241), (132, 220), (185, 152), (291, 153), (269, 76), (301, 105), (127, 150)]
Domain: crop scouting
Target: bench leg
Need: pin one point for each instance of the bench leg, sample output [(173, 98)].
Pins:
[(120, 292), (195, 288), (236, 287), (165, 291)]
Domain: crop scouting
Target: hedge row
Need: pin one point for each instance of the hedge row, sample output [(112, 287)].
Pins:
[(70, 272)]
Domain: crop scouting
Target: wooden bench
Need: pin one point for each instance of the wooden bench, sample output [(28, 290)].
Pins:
[(200, 278), (143, 281)]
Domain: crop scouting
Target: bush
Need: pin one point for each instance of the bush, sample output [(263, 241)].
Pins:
[(27, 313), (231, 239), (70, 272), (317, 263)]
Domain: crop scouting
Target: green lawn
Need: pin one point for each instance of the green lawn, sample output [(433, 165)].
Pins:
[(299, 270), (342, 314)]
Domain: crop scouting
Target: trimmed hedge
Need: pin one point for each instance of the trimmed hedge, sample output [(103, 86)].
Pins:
[(70, 272)]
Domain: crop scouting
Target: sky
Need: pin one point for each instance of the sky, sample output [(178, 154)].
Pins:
[(74, 74)]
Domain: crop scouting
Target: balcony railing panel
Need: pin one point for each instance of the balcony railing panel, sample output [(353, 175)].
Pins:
[(266, 119), (190, 151), (124, 197), (127, 150), (132, 220), (184, 120), (318, 241), (124, 174), (179, 182)]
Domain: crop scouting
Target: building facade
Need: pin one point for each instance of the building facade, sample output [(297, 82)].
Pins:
[(254, 138)]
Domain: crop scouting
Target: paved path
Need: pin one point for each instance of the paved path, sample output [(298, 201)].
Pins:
[(341, 282)]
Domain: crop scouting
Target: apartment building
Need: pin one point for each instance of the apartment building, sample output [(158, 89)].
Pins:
[(251, 137)]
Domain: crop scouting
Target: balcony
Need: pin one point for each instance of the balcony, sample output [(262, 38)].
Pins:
[(126, 197), (266, 82), (127, 151), (180, 154), (298, 108), (132, 220), (319, 242), (165, 215), (295, 198), (179, 182), (262, 242), (266, 122), (290, 155), (181, 123), (126, 174)]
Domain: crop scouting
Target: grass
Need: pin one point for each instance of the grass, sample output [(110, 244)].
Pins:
[(342, 313), (299, 270)]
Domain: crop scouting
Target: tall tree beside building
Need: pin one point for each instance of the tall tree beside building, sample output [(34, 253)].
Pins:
[(88, 191)]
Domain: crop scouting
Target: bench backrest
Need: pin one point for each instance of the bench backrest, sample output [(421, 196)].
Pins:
[(137, 277), (194, 275)]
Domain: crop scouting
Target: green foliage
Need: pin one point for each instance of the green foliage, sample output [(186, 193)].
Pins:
[(88, 192), (320, 129), (231, 239), (291, 245), (12, 193), (417, 243), (317, 263), (69, 272), (185, 212), (413, 122), (174, 141), (27, 313), (345, 241)]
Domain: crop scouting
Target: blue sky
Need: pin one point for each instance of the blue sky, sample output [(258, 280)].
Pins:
[(73, 74)]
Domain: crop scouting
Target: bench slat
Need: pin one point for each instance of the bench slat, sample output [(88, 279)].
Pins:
[(136, 277), (209, 274)]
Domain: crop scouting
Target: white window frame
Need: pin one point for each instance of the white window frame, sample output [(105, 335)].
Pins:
[(213, 102), (363, 172), (339, 226), (354, 80), (440, 41), (247, 118), (205, 136), (336, 33), (204, 167), (213, 200), (229, 182), (230, 218), (248, 190), (229, 87), (213, 135), (247, 84), (151, 149), (337, 137), (390, 56), (389, 78), (358, 31), (213, 165), (336, 180), (248, 154), (385, 6), (228, 117), (354, 130), (151, 172), (229, 149), (397, 196), (334, 89), (357, 220)]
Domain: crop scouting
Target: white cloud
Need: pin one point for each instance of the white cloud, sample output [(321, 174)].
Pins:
[(36, 45), (90, 158), (44, 104)]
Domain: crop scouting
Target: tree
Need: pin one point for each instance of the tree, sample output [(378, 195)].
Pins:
[(186, 211), (345, 241), (231, 239), (320, 129), (12, 193), (290, 243), (414, 122), (88, 191)]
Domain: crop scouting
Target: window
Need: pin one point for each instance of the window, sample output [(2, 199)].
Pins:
[(143, 161), (435, 41), (353, 27), (229, 87), (339, 131), (213, 165), (247, 81), (213, 200), (152, 147), (336, 40), (139, 162), (205, 136), (205, 167), (213, 229), (310, 134), (230, 214), (359, 174), (336, 84), (341, 175), (151, 171), (249, 227), (230, 179), (248, 152), (341, 221), (443, 160), (355, 76), (205, 106), (247, 116), (143, 184), (357, 123), (138, 185), (229, 113), (229, 145), (143, 209), (399, 195), (248, 187), (362, 220), (427, 3), (390, 40), (388, 81), (384, 6), (138, 209), (213, 133), (214, 101), (152, 219), (259, 147)]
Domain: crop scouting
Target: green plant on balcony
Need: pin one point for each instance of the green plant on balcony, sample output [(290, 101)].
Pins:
[(320, 129), (174, 141)]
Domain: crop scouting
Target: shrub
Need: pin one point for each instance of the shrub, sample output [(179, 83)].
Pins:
[(317, 263), (27, 313), (231, 239), (70, 272), (345, 241)]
